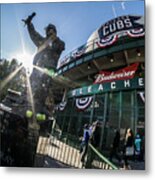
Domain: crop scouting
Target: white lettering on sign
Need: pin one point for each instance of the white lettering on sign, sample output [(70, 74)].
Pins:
[(112, 27), (105, 30), (89, 89), (116, 25), (100, 88), (122, 74), (113, 85), (80, 91), (128, 23), (120, 24), (73, 92), (103, 77), (141, 82), (127, 83)]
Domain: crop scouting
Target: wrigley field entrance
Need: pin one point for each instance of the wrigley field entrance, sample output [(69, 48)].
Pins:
[(114, 110)]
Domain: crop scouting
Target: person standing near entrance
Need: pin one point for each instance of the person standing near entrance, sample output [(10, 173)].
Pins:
[(115, 146), (84, 143), (128, 147), (138, 145), (90, 134), (96, 134)]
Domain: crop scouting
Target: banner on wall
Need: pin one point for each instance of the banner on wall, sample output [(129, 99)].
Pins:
[(83, 103), (122, 74)]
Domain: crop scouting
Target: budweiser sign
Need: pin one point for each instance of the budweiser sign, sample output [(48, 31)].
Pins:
[(122, 74)]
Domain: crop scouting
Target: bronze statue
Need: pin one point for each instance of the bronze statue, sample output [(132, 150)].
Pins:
[(47, 56)]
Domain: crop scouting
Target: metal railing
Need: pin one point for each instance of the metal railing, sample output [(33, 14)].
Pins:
[(96, 160), (66, 150), (60, 149)]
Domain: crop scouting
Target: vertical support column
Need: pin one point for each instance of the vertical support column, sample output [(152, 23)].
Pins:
[(70, 118), (79, 121), (53, 126), (120, 109), (64, 95), (126, 56), (132, 112), (104, 118), (135, 111), (54, 119), (92, 111), (93, 47), (89, 151), (63, 123)]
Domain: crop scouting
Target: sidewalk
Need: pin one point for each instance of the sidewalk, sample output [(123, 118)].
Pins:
[(135, 165), (48, 162), (51, 163)]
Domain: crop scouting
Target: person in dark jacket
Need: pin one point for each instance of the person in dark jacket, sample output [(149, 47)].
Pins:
[(49, 49), (115, 146), (96, 134)]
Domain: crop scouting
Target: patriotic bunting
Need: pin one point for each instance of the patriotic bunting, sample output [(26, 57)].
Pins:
[(64, 61), (83, 103), (107, 41), (136, 32), (142, 95), (61, 106), (79, 51)]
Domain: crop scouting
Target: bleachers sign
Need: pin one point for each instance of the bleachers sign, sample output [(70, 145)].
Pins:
[(118, 85)]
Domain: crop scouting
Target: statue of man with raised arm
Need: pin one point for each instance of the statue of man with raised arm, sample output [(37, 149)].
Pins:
[(49, 49)]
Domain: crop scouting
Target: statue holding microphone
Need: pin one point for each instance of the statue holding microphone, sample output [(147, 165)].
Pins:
[(49, 49)]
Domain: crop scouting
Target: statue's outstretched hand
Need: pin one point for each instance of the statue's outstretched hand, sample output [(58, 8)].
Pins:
[(29, 19)]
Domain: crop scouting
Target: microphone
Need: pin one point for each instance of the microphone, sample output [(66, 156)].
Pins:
[(29, 19), (32, 16)]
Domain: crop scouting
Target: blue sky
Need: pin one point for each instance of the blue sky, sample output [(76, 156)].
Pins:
[(75, 22)]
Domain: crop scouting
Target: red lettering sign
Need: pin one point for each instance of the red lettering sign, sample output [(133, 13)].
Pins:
[(122, 74)]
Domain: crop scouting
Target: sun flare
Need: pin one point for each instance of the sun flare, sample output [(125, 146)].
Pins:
[(26, 59)]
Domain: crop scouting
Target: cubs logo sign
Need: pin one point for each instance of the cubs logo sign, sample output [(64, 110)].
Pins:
[(122, 23)]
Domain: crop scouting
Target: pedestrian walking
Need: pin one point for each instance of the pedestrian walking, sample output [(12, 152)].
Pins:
[(128, 147), (84, 143)]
